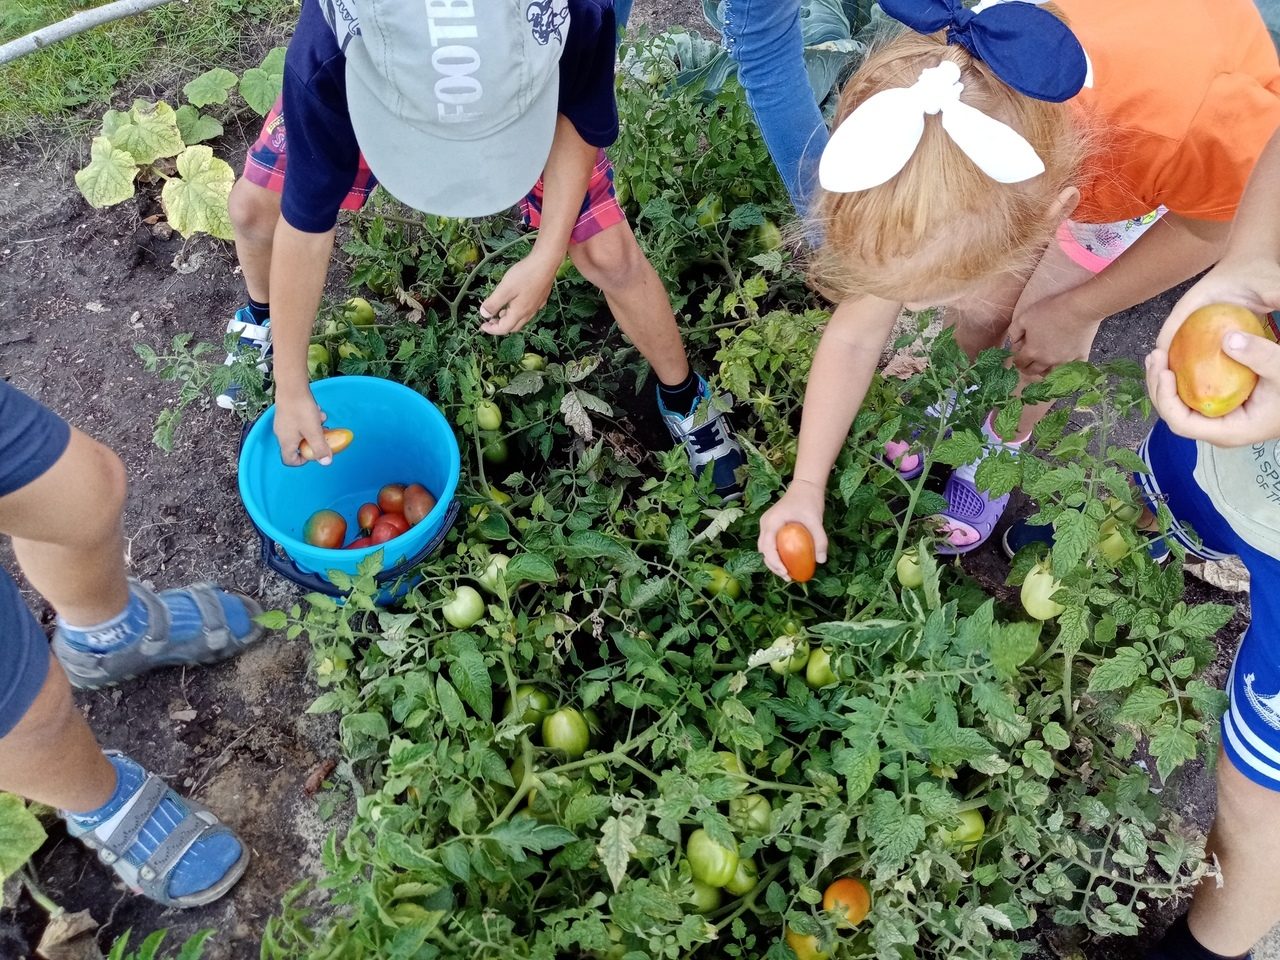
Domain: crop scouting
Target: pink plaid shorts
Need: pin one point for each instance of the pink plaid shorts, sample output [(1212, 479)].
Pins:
[(268, 157), (600, 209)]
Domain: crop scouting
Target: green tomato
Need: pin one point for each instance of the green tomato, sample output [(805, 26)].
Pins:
[(565, 268), (799, 657), (566, 731), (970, 831), (744, 879), (909, 573), (495, 449), (1123, 512), (1037, 594), (731, 763), (766, 237), (1113, 546), (359, 312), (818, 672), (492, 578), (347, 349), (805, 946), (531, 703), (721, 584), (751, 814), (710, 862), (533, 361), (319, 360), (488, 415), (710, 211), (464, 608), (705, 897), (463, 255)]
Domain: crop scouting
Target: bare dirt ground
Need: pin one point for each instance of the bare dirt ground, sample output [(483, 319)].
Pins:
[(78, 289)]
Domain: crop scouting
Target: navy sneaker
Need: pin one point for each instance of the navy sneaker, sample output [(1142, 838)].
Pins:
[(255, 338), (708, 439), (1022, 533)]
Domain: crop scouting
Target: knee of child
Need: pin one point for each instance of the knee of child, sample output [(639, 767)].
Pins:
[(611, 263), (253, 209), (110, 486)]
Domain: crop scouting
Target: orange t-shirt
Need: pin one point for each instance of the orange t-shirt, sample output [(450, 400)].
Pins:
[(1185, 95)]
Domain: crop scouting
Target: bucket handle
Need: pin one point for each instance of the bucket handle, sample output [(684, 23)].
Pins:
[(277, 560)]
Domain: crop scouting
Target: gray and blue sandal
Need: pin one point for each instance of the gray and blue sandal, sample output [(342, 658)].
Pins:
[(155, 648), (116, 840)]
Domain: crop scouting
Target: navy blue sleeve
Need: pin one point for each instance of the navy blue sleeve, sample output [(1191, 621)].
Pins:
[(323, 155), (586, 71)]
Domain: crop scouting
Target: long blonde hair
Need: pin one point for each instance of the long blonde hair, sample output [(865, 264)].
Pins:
[(941, 223)]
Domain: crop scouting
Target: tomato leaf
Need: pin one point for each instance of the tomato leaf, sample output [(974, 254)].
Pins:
[(1073, 533), (897, 833), (531, 568), (859, 764), (470, 677), (617, 844), (450, 704), (1124, 669), (522, 836)]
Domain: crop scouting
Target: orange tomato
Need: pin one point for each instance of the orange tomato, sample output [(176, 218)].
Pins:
[(795, 547), (849, 898), (367, 516), (325, 528), (1209, 381), (337, 439)]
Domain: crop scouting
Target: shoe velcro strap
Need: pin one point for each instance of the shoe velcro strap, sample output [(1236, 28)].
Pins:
[(153, 875), (213, 618), (124, 832)]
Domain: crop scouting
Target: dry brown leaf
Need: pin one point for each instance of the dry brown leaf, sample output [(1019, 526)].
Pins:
[(70, 936)]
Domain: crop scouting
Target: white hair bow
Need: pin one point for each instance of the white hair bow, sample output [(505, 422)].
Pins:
[(877, 139), (1088, 64)]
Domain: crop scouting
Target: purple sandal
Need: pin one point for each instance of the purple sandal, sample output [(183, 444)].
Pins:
[(967, 506), (899, 455)]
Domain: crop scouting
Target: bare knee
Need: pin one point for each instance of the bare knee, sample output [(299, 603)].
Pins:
[(254, 211), (612, 261), (108, 487)]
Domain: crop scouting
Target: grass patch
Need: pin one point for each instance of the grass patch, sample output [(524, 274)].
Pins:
[(62, 89)]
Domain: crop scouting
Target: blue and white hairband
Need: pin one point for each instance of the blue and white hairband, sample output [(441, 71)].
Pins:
[(1030, 49)]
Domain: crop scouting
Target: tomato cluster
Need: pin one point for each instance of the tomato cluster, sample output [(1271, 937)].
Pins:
[(398, 508)]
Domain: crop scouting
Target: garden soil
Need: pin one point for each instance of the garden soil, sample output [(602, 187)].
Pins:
[(79, 289)]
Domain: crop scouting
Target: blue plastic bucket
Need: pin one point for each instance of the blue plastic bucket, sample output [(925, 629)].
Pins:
[(399, 437)]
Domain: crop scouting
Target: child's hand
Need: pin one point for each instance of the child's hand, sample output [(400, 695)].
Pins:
[(1254, 284), (1050, 332), (804, 503), (521, 293), (297, 419)]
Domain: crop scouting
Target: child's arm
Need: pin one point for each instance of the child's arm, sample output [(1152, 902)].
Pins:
[(1249, 274), (842, 369), (299, 263), (524, 290), (1061, 328)]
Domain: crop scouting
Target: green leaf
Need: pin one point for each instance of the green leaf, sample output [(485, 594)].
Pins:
[(151, 133), (1125, 669), (1172, 747), (261, 86), (858, 763), (963, 446), (470, 677), (1073, 533), (1012, 645), (1055, 736), (108, 179), (897, 833), (212, 86), (196, 201), (1201, 621), (20, 834), (617, 844), (450, 704), (523, 835), (530, 568), (195, 126)]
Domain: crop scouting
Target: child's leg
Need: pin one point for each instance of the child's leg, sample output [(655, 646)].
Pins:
[(613, 261), (255, 211)]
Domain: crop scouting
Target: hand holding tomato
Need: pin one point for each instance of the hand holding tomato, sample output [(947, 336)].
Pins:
[(1255, 285), (803, 504), (297, 419)]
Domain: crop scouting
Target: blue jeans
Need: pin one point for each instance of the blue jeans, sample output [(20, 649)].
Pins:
[(765, 40)]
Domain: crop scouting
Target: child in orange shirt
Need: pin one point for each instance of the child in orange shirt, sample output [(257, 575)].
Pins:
[(1034, 178)]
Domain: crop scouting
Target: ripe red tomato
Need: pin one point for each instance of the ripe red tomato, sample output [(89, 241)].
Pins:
[(418, 502), (795, 547), (397, 520), (391, 498), (383, 531), (367, 516), (325, 528), (359, 543)]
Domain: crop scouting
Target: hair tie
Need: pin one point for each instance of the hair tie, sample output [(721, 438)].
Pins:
[(1028, 48), (877, 139)]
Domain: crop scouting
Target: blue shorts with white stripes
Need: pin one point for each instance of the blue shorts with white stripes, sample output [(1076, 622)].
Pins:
[(1251, 726)]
